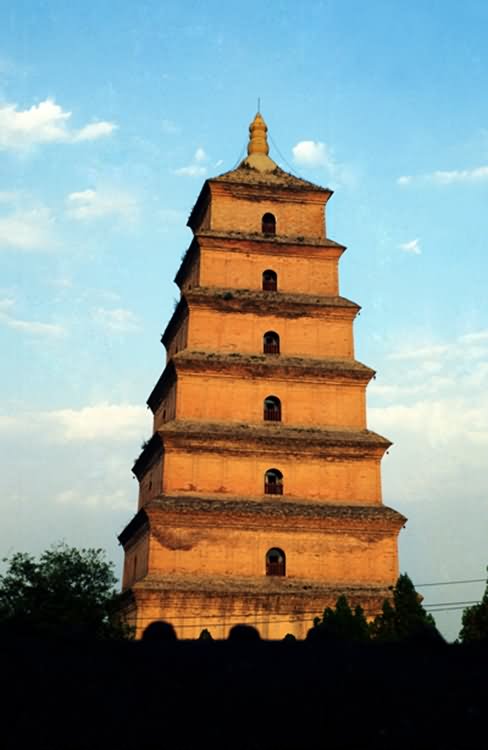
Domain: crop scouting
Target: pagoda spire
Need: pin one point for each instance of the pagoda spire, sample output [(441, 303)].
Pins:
[(257, 148), (258, 141)]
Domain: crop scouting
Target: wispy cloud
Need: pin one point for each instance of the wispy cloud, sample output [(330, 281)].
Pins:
[(412, 246), (100, 422), (87, 205), (313, 154), (447, 177), (32, 327), (117, 320), (423, 352), (169, 127), (116, 500), (197, 166), (318, 155), (43, 123), (27, 229), (476, 336)]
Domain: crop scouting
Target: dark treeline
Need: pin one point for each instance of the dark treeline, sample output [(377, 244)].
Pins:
[(73, 679), (240, 694)]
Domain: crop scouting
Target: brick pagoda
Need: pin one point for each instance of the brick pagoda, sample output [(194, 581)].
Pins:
[(260, 489)]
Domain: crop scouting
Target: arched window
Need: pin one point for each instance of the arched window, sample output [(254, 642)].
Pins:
[(270, 281), (272, 409), (273, 482), (275, 562), (268, 224), (271, 343)]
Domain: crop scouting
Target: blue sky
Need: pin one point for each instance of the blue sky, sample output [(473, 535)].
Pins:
[(111, 116)]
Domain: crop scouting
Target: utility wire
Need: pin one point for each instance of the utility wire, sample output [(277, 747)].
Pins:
[(450, 583), (292, 169)]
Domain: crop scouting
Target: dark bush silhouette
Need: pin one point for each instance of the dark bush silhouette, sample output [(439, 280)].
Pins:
[(244, 633), (405, 619), (340, 624), (159, 631)]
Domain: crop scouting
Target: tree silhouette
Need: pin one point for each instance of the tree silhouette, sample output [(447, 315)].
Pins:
[(66, 591), (475, 621), (404, 618), (340, 624)]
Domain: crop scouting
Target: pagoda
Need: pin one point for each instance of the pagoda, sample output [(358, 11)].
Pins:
[(260, 495)]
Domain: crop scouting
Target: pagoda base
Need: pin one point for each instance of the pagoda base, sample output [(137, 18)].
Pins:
[(275, 606)]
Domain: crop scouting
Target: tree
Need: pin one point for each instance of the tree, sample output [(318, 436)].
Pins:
[(475, 622), (404, 618), (66, 591), (340, 624)]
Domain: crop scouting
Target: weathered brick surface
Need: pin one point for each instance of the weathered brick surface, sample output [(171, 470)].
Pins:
[(211, 396), (318, 480), (200, 561), (210, 330)]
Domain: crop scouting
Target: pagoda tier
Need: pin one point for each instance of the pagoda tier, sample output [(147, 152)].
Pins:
[(199, 552), (233, 459), (260, 495)]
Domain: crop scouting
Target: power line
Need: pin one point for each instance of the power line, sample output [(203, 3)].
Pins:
[(450, 583), (445, 604), (292, 169)]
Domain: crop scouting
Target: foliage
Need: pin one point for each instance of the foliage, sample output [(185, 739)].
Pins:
[(404, 618), (66, 591), (205, 635), (340, 624), (475, 622)]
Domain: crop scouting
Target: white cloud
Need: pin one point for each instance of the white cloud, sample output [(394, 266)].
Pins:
[(463, 175), (62, 282), (421, 353), (117, 320), (87, 205), (192, 170), (116, 500), (169, 127), (32, 327), (8, 196), (200, 155), (27, 230), (313, 154), (100, 422), (475, 336), (413, 246), (93, 131), (45, 122), (196, 168), (6, 304), (446, 177)]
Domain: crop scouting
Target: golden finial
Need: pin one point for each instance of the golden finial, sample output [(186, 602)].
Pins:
[(258, 143)]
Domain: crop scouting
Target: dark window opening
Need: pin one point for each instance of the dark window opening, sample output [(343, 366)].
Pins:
[(273, 482), (270, 281), (272, 409), (268, 224), (275, 562), (271, 343)]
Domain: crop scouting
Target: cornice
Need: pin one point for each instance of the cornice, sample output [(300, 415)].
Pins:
[(258, 365), (242, 438), (173, 511), (283, 304), (213, 238)]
